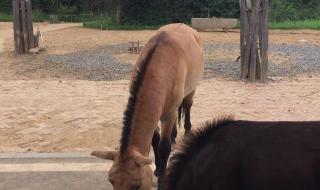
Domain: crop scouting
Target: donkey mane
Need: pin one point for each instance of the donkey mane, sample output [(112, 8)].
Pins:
[(133, 98), (191, 146)]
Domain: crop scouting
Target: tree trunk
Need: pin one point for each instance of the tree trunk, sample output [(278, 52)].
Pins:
[(22, 26), (264, 40), (29, 25), (118, 12), (254, 39), (17, 27)]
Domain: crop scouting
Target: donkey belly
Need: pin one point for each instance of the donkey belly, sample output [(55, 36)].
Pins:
[(192, 80), (190, 87), (194, 72)]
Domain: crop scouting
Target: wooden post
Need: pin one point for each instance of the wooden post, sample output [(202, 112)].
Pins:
[(264, 40), (254, 39), (29, 24), (16, 26), (118, 12), (243, 26), (22, 26)]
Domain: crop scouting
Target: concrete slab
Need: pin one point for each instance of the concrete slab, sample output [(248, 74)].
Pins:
[(211, 24), (53, 171), (54, 181)]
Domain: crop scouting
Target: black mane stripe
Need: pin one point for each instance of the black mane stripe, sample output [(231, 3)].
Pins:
[(131, 106), (190, 147)]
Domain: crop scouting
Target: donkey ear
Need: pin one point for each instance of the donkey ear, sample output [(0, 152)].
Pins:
[(107, 155), (142, 160)]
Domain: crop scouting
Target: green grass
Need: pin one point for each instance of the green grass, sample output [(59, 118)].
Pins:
[(95, 21), (39, 16), (36, 17), (108, 25), (288, 25), (78, 18), (5, 17)]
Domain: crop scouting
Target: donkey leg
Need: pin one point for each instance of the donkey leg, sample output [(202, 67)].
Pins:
[(155, 144), (164, 152), (165, 144), (174, 133), (187, 103)]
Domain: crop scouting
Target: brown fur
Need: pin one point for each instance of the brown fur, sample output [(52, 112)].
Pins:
[(231, 154), (168, 69)]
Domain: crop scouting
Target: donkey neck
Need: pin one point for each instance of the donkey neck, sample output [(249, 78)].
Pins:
[(145, 120)]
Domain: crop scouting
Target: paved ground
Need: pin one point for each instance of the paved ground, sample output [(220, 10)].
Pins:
[(59, 101), (54, 171)]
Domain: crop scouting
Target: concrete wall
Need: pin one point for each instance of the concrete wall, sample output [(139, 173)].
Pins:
[(213, 23)]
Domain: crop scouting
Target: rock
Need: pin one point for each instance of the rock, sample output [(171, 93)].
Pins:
[(34, 51)]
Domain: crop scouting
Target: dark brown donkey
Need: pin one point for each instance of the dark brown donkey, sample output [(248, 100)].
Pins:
[(166, 74), (248, 155)]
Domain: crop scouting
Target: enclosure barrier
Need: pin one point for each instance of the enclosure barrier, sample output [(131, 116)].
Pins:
[(207, 24), (22, 26), (254, 39), (135, 47)]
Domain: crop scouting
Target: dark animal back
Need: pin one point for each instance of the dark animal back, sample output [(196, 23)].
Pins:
[(249, 155), (190, 147)]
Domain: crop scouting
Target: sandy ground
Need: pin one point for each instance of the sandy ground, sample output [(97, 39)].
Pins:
[(47, 114), (5, 32)]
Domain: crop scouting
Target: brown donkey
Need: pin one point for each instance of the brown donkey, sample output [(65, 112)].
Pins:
[(165, 78)]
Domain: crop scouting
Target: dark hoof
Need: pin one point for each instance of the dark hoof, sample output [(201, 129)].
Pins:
[(186, 133), (156, 173)]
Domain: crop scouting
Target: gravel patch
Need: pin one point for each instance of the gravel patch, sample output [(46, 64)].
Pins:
[(303, 59), (98, 64), (295, 59)]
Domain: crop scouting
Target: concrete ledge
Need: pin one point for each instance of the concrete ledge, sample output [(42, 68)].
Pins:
[(54, 167), (207, 24), (45, 155)]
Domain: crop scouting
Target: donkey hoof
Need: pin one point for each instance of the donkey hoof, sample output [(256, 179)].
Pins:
[(156, 173), (187, 132)]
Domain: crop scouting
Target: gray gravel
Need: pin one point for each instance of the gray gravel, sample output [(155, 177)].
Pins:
[(298, 59), (303, 59), (99, 64)]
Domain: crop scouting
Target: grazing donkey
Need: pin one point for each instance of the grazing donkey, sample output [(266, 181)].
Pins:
[(166, 74), (248, 155)]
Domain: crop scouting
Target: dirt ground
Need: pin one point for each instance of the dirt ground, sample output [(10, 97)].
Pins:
[(43, 112)]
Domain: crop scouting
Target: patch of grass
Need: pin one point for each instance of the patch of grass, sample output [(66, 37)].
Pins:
[(78, 17), (36, 17), (5, 17), (288, 25), (109, 25)]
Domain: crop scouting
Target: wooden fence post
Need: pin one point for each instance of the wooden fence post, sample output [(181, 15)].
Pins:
[(29, 24), (264, 40), (22, 26), (254, 39), (16, 26)]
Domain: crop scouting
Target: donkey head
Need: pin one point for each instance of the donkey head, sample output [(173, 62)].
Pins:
[(128, 172)]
